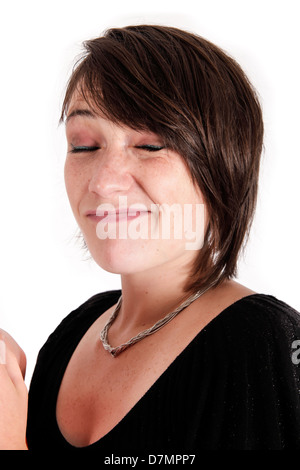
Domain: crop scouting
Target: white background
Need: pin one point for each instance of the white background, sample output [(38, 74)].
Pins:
[(43, 272)]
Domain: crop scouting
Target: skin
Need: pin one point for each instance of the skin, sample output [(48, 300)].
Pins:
[(13, 395)]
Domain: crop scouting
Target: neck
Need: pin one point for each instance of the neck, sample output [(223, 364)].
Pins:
[(147, 297)]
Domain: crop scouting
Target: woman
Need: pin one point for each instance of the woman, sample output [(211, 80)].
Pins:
[(183, 357)]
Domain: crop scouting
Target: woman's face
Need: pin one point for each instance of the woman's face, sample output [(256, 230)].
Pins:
[(133, 199)]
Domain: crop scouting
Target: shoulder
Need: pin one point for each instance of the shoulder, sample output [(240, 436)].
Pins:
[(248, 364), (267, 305), (88, 311), (257, 328), (55, 354), (75, 324), (261, 314)]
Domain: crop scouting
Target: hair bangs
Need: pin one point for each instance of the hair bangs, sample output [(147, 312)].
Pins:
[(118, 87)]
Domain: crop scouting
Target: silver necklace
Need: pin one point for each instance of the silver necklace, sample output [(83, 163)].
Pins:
[(157, 326)]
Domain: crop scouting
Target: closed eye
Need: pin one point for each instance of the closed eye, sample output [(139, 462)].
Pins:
[(83, 148), (150, 148), (86, 148)]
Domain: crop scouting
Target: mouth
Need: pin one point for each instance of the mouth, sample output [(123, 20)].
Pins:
[(115, 216)]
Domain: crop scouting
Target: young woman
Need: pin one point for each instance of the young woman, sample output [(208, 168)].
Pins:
[(183, 357)]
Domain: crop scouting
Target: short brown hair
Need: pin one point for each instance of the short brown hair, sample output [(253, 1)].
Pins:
[(200, 102)]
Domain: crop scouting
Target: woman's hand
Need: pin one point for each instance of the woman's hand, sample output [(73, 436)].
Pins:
[(13, 395)]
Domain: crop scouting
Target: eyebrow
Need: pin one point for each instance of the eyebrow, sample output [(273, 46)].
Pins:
[(80, 112)]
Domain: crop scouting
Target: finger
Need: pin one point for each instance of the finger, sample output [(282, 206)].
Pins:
[(2, 352), (13, 370), (13, 346), (5, 379)]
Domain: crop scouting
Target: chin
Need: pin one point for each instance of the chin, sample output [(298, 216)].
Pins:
[(121, 257)]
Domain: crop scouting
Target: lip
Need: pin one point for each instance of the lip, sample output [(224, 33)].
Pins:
[(115, 216)]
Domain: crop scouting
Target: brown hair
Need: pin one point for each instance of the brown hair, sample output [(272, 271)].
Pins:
[(200, 102)]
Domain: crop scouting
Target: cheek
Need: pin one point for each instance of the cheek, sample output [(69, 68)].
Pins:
[(68, 177), (73, 183)]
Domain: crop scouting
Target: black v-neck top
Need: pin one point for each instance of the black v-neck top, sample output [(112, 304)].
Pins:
[(235, 386)]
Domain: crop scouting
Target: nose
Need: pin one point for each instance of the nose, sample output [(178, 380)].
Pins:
[(110, 173)]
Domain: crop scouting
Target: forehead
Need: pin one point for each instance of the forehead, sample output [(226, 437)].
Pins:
[(79, 106), (84, 104), (78, 102)]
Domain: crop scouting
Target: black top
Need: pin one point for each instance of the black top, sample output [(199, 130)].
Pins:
[(235, 386)]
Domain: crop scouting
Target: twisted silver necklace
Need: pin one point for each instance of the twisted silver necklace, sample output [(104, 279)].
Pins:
[(157, 326)]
